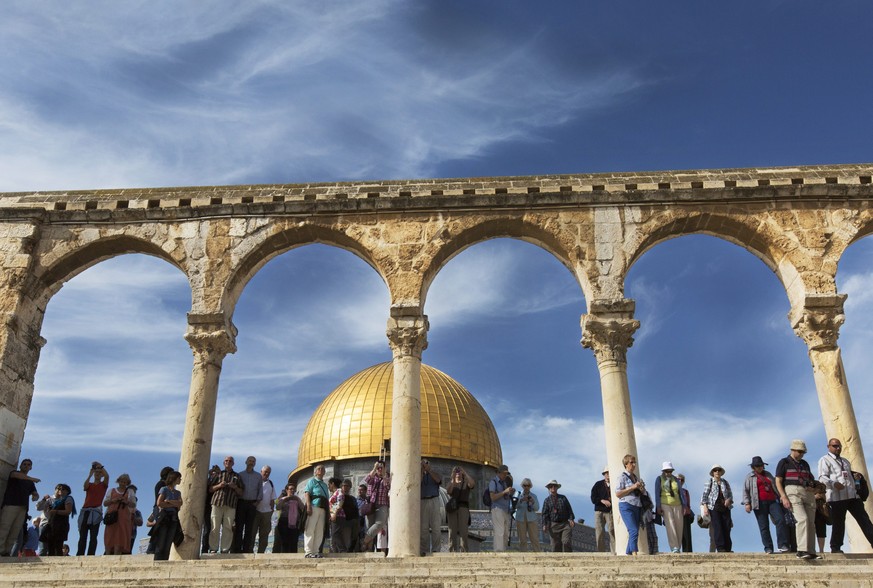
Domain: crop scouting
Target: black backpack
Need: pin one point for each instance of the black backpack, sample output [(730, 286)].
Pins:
[(863, 488), (486, 496)]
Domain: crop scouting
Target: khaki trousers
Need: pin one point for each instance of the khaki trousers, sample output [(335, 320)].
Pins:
[(528, 530), (673, 521), (803, 507)]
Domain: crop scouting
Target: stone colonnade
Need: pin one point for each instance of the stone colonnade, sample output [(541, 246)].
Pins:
[(798, 221)]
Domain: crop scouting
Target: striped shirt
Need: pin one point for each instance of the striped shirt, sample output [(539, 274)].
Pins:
[(226, 496), (794, 473)]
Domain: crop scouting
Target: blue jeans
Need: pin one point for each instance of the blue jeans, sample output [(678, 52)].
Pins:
[(630, 514), (766, 509)]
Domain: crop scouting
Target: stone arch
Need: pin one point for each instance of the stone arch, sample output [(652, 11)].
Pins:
[(262, 249), (73, 262), (521, 229), (776, 254)]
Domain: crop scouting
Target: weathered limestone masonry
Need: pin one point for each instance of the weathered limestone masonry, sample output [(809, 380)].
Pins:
[(798, 221)]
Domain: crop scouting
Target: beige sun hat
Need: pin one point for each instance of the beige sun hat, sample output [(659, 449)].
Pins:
[(798, 445), (714, 467), (553, 483)]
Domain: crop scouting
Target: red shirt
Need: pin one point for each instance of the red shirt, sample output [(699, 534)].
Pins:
[(765, 488), (94, 495)]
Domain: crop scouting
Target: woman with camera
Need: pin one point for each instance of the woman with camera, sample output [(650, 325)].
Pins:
[(526, 518), (629, 491), (458, 508)]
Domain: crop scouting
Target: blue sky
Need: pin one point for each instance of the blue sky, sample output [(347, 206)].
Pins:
[(160, 94)]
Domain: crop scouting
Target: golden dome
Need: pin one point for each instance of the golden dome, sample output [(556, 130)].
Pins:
[(355, 418)]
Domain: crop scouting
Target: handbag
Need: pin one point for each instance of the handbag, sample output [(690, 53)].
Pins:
[(789, 518), (110, 518), (45, 533), (452, 505), (703, 521), (646, 502)]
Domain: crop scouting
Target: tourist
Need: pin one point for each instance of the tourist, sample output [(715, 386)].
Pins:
[(137, 521), (687, 516), (344, 523), (91, 515), (19, 486), (761, 496), (835, 472), (317, 495), (558, 519), (211, 479), (629, 492), (264, 508), (717, 501), (162, 481), (796, 486), (378, 485), (334, 503), (459, 489), (60, 508), (601, 498), (120, 502), (526, 518), (669, 504), (822, 515), (291, 512), (430, 536), (361, 499), (246, 509), (30, 546), (501, 491), (167, 522), (226, 489)]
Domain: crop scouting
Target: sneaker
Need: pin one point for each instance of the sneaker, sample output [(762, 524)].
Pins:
[(812, 556), (802, 555), (837, 551), (675, 550), (768, 551), (784, 549)]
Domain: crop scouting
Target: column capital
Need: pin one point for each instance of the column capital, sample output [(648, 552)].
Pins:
[(608, 329), (819, 320), (407, 332), (211, 334)]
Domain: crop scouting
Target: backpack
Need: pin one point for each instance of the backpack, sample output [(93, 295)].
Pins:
[(486, 496), (863, 488)]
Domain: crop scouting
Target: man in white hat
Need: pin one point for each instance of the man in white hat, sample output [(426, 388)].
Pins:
[(558, 518), (670, 504), (601, 498), (796, 486)]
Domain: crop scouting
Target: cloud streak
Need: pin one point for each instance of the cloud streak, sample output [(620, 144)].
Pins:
[(346, 88)]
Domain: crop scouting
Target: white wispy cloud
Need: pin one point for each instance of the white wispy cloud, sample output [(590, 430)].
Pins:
[(230, 93)]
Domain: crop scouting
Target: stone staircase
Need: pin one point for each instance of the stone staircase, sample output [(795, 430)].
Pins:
[(462, 570)]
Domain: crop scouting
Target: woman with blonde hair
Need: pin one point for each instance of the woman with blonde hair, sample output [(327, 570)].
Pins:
[(120, 505), (629, 491)]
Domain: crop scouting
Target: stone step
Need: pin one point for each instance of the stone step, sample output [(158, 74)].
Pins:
[(466, 570)]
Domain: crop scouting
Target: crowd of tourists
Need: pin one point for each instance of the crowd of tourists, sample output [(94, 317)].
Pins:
[(797, 502), (241, 506)]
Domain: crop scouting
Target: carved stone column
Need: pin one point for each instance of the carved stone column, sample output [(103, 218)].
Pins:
[(608, 331), (407, 335), (818, 324), (211, 337)]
